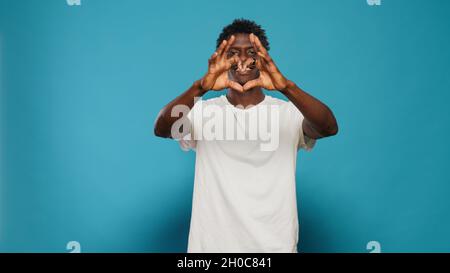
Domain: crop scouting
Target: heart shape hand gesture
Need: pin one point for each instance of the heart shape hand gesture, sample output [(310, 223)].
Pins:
[(216, 78)]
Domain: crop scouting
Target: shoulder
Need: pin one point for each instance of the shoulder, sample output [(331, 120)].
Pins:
[(285, 105), (275, 101)]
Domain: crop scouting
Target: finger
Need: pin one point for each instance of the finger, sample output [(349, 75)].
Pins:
[(268, 64), (260, 64), (251, 84), (240, 67), (260, 50), (247, 63), (258, 44), (232, 61), (221, 47), (235, 59), (265, 57), (252, 40), (213, 57), (229, 43), (236, 86)]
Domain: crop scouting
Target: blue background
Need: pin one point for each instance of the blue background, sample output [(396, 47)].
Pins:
[(82, 85)]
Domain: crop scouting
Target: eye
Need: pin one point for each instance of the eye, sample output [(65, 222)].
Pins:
[(251, 52), (232, 53)]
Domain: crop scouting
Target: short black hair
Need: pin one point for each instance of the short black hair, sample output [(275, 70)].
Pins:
[(243, 26)]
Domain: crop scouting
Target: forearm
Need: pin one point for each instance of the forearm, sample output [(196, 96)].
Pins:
[(165, 120), (319, 116)]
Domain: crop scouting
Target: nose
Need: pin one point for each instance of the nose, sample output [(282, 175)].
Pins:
[(243, 56)]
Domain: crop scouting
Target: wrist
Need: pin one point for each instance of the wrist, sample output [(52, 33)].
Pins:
[(199, 88), (288, 87)]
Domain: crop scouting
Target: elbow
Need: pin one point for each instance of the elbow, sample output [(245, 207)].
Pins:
[(159, 131), (332, 130), (161, 127)]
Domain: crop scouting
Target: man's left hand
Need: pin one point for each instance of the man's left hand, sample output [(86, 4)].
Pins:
[(270, 77)]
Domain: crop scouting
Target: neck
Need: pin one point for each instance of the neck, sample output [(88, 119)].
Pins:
[(249, 97)]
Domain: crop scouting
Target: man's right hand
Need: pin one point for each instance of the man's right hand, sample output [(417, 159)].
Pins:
[(218, 65), (215, 79)]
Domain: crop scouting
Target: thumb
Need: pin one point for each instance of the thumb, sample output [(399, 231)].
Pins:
[(253, 83), (236, 86)]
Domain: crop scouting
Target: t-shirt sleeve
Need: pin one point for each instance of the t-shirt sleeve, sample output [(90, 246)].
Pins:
[(296, 117)]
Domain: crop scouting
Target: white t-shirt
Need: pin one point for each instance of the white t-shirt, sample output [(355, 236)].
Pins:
[(244, 196)]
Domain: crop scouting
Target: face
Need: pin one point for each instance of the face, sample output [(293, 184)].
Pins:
[(242, 47)]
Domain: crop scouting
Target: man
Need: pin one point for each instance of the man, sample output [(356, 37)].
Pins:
[(244, 196)]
